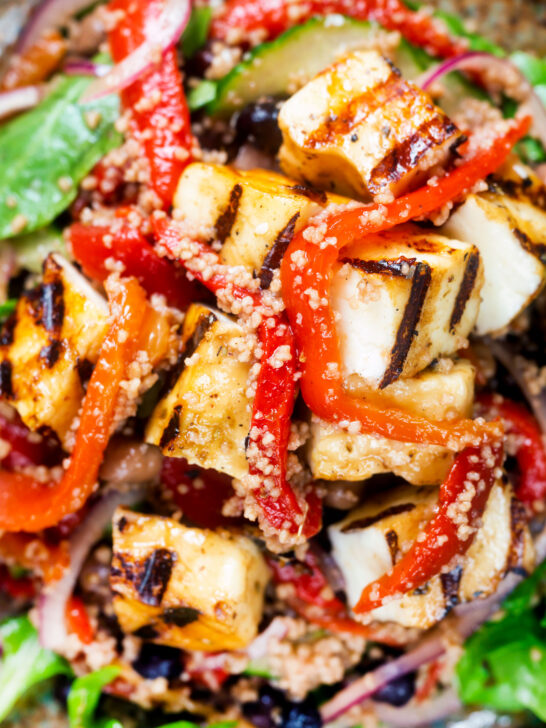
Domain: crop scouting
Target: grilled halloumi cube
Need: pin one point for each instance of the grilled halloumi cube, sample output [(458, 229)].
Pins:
[(373, 537), (187, 587), (362, 130), (253, 214), (510, 234), (205, 417), (55, 329), (403, 298), (335, 454)]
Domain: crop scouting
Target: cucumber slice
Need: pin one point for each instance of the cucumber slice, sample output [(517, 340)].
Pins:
[(271, 69)]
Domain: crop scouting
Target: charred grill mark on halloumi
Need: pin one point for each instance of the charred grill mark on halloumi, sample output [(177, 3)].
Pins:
[(359, 128), (386, 524), (54, 328), (6, 384), (451, 582), (401, 160), (467, 286), (225, 221), (403, 299), (510, 234), (420, 281), (251, 213), (186, 587), (345, 119), (420, 276), (205, 416), (276, 253)]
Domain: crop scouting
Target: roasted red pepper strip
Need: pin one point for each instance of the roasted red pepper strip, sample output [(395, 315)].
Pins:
[(315, 600), (450, 533), (160, 118), (270, 430), (276, 16), (530, 453), (128, 246), (307, 266), (26, 447), (275, 395), (203, 492), (29, 505), (17, 588), (78, 620)]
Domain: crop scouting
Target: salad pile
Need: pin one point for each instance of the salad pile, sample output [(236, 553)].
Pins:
[(272, 367)]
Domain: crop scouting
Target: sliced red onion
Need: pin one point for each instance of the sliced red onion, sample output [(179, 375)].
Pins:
[(53, 600), (415, 715), (48, 14), (85, 67), (20, 99), (258, 648), (161, 35), (518, 367), (465, 621), (479, 61), (364, 687)]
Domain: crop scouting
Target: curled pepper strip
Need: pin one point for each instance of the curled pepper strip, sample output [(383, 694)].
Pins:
[(309, 266), (276, 16), (160, 119), (463, 496), (29, 505), (314, 598), (130, 247), (530, 452), (275, 394)]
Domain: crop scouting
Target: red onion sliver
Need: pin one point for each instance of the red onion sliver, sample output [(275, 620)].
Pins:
[(85, 67), (20, 99), (48, 14), (421, 714), (161, 35), (518, 367), (53, 600), (480, 61), (363, 688), (465, 620)]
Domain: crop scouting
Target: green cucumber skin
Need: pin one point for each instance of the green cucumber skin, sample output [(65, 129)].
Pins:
[(268, 69)]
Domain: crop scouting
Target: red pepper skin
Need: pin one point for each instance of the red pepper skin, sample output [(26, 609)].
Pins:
[(450, 533), (22, 588), (78, 620), (530, 454), (271, 413), (314, 328), (163, 128), (27, 448), (276, 16), (202, 505), (27, 504), (130, 247), (315, 600), (275, 394)]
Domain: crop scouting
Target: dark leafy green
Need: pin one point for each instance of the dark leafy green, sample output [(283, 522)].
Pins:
[(24, 663), (196, 31), (46, 152), (504, 663)]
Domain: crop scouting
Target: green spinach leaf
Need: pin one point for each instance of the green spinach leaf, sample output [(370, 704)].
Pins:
[(46, 152), (504, 663), (84, 696), (24, 662)]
